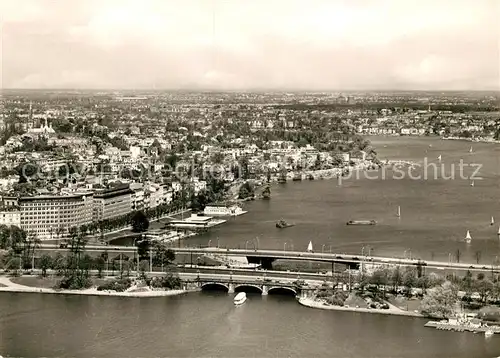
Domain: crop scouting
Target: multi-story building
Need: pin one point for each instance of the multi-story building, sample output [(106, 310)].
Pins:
[(113, 203), (10, 216), (48, 215)]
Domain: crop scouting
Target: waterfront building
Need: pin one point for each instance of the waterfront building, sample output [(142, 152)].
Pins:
[(45, 215), (10, 216), (196, 222), (234, 210), (113, 203)]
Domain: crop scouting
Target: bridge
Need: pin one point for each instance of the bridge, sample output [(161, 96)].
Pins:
[(267, 257), (263, 284)]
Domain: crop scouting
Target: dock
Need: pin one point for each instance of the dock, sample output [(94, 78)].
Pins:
[(445, 326)]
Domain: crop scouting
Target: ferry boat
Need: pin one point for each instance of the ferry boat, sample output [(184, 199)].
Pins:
[(233, 210), (281, 224), (468, 237), (240, 298), (361, 222)]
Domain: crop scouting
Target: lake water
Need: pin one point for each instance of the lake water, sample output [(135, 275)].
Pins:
[(435, 217), (207, 324)]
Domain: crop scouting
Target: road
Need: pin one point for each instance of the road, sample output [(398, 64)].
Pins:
[(299, 256)]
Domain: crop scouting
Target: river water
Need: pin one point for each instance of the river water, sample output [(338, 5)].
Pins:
[(435, 217)]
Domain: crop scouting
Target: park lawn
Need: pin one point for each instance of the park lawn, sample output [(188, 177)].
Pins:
[(354, 300), (35, 281), (47, 282), (404, 303)]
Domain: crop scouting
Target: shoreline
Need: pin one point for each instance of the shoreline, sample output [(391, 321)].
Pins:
[(17, 288), (308, 302)]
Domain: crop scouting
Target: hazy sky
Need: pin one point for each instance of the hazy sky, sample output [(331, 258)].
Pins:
[(251, 44)]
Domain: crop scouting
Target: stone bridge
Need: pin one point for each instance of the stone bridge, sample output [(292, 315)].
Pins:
[(264, 288)]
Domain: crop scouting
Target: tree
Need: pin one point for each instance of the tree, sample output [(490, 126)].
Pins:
[(246, 191), (139, 222), (45, 264), (478, 256), (162, 256), (439, 302)]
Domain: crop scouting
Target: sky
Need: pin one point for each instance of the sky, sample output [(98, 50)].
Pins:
[(251, 44)]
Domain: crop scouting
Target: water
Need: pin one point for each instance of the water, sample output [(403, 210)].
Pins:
[(435, 216), (209, 325)]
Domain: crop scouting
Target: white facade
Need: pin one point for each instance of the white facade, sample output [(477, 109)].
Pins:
[(10, 218)]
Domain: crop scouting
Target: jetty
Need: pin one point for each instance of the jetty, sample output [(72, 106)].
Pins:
[(462, 327)]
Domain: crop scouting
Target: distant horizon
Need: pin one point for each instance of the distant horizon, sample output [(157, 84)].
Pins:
[(262, 90)]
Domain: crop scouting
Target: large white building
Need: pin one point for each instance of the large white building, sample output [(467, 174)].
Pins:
[(46, 215), (113, 203), (10, 218)]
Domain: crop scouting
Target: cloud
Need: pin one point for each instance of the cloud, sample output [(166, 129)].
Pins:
[(292, 44)]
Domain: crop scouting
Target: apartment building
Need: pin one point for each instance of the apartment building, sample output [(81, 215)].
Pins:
[(10, 217), (44, 215), (113, 203)]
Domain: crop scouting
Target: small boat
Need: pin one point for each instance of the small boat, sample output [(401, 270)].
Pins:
[(468, 238), (499, 231), (472, 184), (240, 298), (399, 212), (488, 333), (492, 221), (470, 150), (361, 222), (310, 177), (310, 247), (281, 224), (439, 158)]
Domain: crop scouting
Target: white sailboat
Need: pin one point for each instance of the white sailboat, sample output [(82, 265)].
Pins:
[(470, 150), (499, 231), (310, 247), (399, 212), (472, 184), (468, 238), (439, 158), (492, 221)]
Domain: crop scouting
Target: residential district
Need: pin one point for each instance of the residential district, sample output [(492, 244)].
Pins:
[(98, 163)]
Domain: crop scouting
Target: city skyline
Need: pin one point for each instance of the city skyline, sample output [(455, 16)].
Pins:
[(243, 45)]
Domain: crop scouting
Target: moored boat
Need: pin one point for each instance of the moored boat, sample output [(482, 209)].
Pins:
[(468, 237), (240, 298), (361, 222)]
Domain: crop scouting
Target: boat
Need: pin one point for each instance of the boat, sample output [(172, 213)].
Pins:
[(468, 238), (472, 184), (492, 221), (281, 224), (310, 247), (439, 158), (399, 212), (488, 333), (470, 150), (240, 298), (310, 176), (361, 222), (498, 231)]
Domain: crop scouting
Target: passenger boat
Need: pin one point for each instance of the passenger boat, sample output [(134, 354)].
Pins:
[(361, 222), (468, 237), (281, 224), (240, 298)]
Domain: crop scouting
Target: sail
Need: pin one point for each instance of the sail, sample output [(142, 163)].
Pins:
[(470, 150), (439, 158), (492, 220), (468, 237), (499, 230), (472, 184), (310, 246), (399, 211)]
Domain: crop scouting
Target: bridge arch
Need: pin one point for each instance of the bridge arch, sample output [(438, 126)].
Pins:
[(214, 286), (248, 288), (282, 290)]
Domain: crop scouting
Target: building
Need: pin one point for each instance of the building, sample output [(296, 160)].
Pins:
[(113, 203), (10, 217), (46, 215)]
